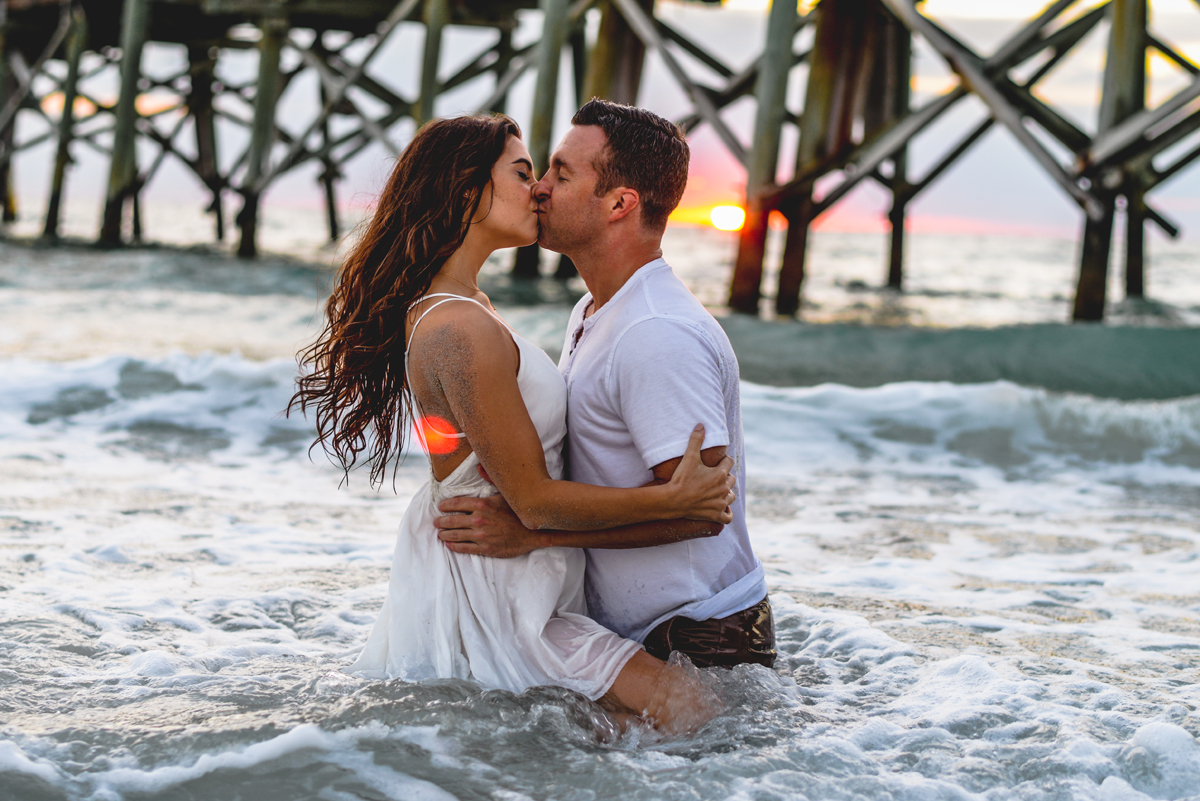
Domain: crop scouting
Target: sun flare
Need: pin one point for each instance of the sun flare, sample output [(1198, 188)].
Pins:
[(727, 218)]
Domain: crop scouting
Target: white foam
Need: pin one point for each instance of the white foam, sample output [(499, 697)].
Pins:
[(305, 737), (960, 603), (14, 760)]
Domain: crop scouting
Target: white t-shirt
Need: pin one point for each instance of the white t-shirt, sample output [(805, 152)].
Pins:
[(647, 367)]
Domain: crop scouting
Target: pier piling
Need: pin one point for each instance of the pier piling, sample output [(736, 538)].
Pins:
[(262, 134), (201, 65), (122, 179), (76, 44), (549, 56), (1123, 95), (770, 91)]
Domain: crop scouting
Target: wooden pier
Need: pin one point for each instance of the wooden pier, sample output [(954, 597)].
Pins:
[(857, 122)]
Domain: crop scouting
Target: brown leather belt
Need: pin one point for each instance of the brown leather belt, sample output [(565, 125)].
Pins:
[(746, 636)]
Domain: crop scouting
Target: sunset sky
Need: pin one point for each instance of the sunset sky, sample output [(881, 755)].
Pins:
[(995, 188)]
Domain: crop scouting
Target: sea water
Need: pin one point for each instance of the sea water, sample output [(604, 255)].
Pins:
[(982, 590)]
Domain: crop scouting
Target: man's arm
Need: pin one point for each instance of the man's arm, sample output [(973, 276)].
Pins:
[(487, 527)]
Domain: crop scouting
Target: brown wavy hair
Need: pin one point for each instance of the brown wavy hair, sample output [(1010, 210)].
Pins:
[(353, 375)]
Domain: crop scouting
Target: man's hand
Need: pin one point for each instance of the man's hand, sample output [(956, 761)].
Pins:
[(485, 527)]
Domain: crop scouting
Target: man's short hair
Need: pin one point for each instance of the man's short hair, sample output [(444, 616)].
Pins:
[(645, 152)]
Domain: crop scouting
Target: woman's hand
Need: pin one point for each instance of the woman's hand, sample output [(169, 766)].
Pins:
[(701, 492)]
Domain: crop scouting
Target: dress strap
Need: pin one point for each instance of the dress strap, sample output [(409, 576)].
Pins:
[(449, 298)]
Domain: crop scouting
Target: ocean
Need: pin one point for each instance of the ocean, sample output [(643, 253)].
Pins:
[(981, 530)]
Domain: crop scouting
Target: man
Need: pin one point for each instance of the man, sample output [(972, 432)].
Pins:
[(644, 363)]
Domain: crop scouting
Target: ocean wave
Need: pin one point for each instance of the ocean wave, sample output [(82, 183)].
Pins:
[(225, 407), (1126, 363), (1022, 431)]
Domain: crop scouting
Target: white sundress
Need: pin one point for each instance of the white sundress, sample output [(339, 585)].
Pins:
[(505, 623)]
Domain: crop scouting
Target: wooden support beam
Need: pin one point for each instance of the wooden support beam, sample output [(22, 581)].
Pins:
[(135, 25), (401, 12), (518, 64), (1135, 243), (696, 51), (737, 87), (329, 175), (1028, 35), (646, 30), (969, 68), (504, 57), (200, 108), (17, 98), (330, 83), (894, 75), (825, 128), (8, 202), (1131, 136), (1123, 97), (555, 23), (956, 152), (76, 43), (1181, 61), (579, 58), (436, 18), (615, 66), (274, 33), (771, 93)]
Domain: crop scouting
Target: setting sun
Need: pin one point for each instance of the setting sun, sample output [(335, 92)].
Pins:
[(727, 218)]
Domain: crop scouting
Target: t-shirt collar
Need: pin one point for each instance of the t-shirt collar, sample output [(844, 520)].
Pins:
[(638, 277)]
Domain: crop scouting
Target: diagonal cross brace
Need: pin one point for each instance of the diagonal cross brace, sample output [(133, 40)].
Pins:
[(971, 69), (330, 81), (1117, 141), (1025, 44), (401, 12), (9, 112), (524, 58), (647, 31)]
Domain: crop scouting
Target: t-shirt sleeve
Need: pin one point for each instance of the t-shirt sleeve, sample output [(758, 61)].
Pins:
[(665, 378)]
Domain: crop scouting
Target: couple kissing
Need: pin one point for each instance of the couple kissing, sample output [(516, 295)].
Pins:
[(582, 521)]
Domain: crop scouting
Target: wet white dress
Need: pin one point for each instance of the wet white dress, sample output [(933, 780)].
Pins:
[(505, 623)]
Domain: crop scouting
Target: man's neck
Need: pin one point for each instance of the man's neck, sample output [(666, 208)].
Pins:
[(606, 270)]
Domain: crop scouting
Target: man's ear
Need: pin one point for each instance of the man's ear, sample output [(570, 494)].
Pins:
[(623, 203)]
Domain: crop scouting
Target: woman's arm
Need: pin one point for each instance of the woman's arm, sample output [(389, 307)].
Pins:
[(464, 368), (488, 527)]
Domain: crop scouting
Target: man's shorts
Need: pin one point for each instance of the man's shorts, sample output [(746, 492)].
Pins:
[(746, 636)]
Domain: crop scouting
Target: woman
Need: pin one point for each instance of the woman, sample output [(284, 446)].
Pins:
[(409, 338)]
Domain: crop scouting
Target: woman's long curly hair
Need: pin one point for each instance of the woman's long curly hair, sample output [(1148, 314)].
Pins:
[(353, 375)]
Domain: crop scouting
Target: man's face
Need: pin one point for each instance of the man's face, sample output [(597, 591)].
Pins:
[(569, 213)]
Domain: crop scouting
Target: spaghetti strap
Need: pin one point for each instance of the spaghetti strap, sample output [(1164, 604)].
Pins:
[(449, 297)]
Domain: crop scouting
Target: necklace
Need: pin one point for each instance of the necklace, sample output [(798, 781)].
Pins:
[(460, 283)]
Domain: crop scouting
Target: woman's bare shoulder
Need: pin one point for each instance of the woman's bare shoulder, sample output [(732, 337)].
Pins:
[(458, 331)]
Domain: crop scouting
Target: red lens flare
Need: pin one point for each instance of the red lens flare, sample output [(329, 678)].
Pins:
[(436, 434)]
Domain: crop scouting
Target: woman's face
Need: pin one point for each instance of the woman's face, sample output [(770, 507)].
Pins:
[(507, 211)]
